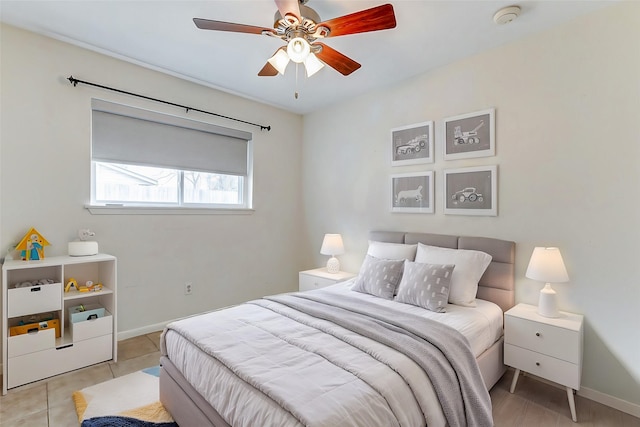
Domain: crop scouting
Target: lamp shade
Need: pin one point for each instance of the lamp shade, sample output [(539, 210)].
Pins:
[(332, 245), (546, 265)]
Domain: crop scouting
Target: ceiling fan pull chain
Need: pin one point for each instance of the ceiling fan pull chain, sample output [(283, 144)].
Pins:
[(296, 92)]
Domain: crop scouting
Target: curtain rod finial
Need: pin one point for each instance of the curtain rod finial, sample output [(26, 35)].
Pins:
[(73, 81)]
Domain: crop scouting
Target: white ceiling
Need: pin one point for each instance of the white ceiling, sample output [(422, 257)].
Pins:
[(161, 35)]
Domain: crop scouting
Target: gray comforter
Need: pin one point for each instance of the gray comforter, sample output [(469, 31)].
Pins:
[(440, 350), (269, 363)]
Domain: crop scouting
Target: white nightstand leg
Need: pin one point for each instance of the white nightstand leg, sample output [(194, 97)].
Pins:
[(514, 381), (572, 404)]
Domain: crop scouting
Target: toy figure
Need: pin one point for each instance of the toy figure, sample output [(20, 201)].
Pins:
[(72, 283)]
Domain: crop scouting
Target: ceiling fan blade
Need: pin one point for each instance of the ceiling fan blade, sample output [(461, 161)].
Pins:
[(207, 24), (335, 59), (374, 19), (291, 7), (268, 70)]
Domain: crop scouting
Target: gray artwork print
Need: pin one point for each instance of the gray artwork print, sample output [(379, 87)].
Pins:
[(411, 143), (469, 134), (410, 192), (470, 137), (469, 190)]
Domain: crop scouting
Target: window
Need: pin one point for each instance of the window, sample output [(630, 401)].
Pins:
[(144, 158)]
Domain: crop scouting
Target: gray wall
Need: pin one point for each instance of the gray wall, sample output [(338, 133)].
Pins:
[(567, 103), (45, 171)]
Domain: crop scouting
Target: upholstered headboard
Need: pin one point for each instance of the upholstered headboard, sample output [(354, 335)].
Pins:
[(498, 281)]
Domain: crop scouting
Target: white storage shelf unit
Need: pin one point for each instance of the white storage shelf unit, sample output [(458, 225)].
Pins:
[(40, 354)]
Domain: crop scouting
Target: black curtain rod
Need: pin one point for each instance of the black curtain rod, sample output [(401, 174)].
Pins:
[(75, 82)]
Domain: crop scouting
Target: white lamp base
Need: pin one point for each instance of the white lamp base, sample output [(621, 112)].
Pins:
[(333, 265), (548, 303)]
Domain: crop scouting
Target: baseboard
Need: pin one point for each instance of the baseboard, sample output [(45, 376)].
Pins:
[(131, 333), (597, 396), (613, 402), (148, 329)]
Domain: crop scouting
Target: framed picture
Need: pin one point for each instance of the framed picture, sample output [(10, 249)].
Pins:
[(470, 135), (412, 192), (471, 191), (412, 144)]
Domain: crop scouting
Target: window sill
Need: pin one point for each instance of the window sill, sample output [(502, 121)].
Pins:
[(163, 210)]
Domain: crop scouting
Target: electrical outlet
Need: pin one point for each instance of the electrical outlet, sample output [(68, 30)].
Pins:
[(188, 288)]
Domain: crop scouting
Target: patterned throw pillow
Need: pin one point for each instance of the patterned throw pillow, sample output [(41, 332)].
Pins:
[(379, 277), (425, 285)]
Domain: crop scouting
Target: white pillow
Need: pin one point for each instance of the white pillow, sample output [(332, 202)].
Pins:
[(395, 251), (470, 266)]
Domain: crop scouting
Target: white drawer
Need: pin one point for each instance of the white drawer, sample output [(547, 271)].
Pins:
[(308, 282), (35, 299), (88, 329), (550, 368), (31, 342), (47, 363), (554, 341)]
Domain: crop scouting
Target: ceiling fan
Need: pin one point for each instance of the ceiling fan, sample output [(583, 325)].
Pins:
[(301, 28)]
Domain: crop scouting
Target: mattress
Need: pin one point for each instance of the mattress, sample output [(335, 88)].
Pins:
[(481, 325)]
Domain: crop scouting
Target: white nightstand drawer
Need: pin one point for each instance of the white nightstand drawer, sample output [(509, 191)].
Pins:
[(308, 283), (550, 368), (309, 280), (554, 341)]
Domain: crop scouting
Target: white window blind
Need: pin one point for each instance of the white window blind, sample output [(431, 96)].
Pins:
[(123, 134)]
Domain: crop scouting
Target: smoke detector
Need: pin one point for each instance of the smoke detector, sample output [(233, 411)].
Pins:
[(506, 15)]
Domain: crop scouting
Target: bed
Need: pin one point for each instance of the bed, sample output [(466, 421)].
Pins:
[(323, 370)]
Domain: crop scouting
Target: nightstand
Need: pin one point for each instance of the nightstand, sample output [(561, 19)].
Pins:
[(320, 278), (550, 348)]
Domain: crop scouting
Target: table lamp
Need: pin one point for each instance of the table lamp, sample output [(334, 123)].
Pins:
[(332, 245), (546, 265)]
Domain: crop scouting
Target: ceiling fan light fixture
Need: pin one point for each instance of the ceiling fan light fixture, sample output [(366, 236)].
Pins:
[(298, 49), (312, 64), (279, 60)]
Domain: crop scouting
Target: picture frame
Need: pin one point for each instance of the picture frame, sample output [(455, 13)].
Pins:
[(412, 192), (412, 144), (471, 191), (470, 135)]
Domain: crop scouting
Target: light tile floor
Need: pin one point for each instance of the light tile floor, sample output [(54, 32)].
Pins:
[(48, 403)]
